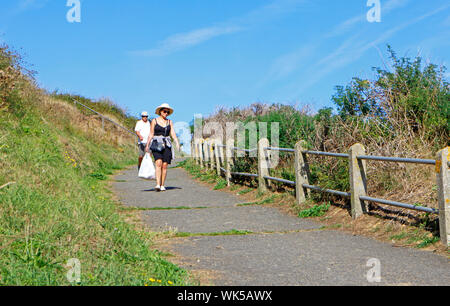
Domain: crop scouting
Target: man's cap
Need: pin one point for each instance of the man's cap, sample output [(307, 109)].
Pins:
[(144, 114)]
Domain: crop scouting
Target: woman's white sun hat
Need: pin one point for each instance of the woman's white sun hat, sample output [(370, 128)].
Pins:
[(164, 106)]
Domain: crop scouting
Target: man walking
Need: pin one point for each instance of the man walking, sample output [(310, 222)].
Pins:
[(142, 131)]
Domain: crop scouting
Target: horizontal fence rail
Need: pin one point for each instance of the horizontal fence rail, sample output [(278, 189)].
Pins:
[(280, 149), (279, 180), (326, 154), (399, 160), (244, 150), (219, 154), (331, 191), (244, 174), (398, 204)]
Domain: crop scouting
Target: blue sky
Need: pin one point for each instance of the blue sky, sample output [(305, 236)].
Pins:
[(199, 54)]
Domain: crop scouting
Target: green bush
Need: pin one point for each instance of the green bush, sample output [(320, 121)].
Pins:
[(412, 96)]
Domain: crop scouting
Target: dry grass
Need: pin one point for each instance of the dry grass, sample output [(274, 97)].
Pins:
[(406, 183), (69, 115)]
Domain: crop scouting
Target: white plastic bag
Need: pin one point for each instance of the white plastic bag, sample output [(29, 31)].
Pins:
[(147, 170)]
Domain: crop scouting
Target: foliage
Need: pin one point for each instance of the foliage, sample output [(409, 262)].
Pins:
[(410, 96), (315, 211), (356, 99), (403, 111)]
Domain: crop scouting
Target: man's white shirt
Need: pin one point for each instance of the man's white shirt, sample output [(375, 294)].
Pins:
[(144, 129)]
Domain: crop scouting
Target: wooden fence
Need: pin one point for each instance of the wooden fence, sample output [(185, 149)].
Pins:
[(212, 154)]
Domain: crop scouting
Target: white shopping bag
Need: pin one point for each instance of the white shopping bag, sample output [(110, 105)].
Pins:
[(147, 170)]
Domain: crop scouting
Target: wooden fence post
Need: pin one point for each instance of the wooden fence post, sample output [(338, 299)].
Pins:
[(197, 153), (212, 155), (194, 152), (358, 182), (209, 146), (200, 152), (222, 155), (217, 155), (205, 154), (263, 164), (229, 157), (301, 172), (443, 183)]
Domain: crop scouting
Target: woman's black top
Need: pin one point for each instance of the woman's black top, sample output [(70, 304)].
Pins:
[(162, 131), (165, 155)]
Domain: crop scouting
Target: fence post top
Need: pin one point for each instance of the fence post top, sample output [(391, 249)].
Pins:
[(358, 145), (444, 150), (301, 143)]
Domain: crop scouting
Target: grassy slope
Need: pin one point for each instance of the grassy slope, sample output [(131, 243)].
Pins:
[(60, 207)]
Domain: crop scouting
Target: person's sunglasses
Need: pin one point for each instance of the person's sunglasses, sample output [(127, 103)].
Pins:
[(144, 116), (165, 111)]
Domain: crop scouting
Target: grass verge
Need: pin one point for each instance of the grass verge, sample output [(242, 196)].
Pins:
[(61, 208)]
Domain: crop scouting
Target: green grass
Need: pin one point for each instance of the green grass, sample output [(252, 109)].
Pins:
[(315, 211), (208, 176), (221, 184), (401, 236), (61, 208), (232, 232), (268, 200), (235, 187), (417, 237), (426, 241), (245, 191), (160, 208)]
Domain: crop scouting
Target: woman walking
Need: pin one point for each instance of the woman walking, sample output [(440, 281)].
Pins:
[(159, 142)]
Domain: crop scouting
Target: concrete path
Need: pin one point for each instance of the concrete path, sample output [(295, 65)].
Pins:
[(279, 250)]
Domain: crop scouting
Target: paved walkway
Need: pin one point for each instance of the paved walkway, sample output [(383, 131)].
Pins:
[(280, 249)]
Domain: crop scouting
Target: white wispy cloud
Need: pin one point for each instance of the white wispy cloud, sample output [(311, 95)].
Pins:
[(181, 41), (25, 5), (447, 22), (348, 24), (287, 64), (353, 49)]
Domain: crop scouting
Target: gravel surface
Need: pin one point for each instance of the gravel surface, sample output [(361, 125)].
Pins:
[(222, 219), (182, 191), (281, 250), (314, 258)]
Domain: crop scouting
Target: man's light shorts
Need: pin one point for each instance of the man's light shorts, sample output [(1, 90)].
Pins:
[(142, 149)]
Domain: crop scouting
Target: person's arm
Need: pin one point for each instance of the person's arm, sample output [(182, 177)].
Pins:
[(138, 130), (152, 133), (174, 135), (139, 135)]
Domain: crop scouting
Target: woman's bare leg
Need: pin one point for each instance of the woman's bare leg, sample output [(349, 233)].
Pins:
[(164, 173), (158, 166)]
